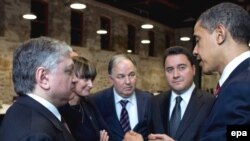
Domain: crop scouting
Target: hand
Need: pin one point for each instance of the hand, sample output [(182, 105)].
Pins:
[(159, 137), (132, 136), (104, 135)]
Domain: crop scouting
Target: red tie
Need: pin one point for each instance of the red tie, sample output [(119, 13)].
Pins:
[(217, 90)]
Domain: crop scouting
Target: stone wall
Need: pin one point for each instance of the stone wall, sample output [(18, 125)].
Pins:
[(150, 72), (151, 78)]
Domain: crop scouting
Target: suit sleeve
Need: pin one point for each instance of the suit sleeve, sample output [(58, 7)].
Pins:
[(37, 137)]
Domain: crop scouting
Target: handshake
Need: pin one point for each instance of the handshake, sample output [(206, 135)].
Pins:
[(133, 136)]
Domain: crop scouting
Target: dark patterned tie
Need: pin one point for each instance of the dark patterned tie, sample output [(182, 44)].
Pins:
[(65, 124), (124, 118), (175, 117)]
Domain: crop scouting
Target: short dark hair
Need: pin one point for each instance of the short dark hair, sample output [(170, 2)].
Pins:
[(232, 16), (175, 50)]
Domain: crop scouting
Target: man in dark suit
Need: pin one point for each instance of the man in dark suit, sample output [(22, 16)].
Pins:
[(43, 78), (194, 105), (222, 37), (122, 74)]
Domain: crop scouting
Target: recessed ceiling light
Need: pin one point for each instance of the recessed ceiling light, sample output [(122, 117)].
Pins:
[(101, 31), (78, 6), (185, 39), (129, 51), (29, 16), (145, 41), (147, 26)]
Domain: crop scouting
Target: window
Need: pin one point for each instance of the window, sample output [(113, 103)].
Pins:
[(39, 27), (76, 27), (151, 36), (131, 38), (105, 38)]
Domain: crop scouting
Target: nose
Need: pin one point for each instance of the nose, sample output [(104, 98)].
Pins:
[(90, 83), (195, 53), (176, 73), (74, 79), (127, 80)]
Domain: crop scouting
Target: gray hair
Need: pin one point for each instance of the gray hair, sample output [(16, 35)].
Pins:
[(38, 52), (116, 59), (235, 19)]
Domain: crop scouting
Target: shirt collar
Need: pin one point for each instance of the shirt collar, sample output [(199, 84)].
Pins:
[(46, 104), (232, 65), (185, 96), (118, 98)]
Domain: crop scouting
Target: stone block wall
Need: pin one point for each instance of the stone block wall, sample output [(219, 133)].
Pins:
[(15, 30)]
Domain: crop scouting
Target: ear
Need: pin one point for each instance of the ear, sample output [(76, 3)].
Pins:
[(220, 34), (42, 78), (111, 79)]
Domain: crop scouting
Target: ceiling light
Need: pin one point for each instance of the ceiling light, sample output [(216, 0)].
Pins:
[(185, 39), (101, 31), (147, 26), (29, 16), (78, 6), (129, 51), (145, 41)]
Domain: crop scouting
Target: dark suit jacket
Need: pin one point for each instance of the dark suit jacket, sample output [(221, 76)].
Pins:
[(106, 105), (231, 106), (84, 124), (28, 120), (197, 110)]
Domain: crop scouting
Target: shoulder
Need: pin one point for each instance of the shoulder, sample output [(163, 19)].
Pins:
[(143, 93), (100, 95), (205, 97), (204, 94), (103, 92), (37, 137), (162, 95)]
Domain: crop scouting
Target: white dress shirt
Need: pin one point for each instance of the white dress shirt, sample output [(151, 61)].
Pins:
[(232, 65), (185, 99), (47, 105), (131, 108)]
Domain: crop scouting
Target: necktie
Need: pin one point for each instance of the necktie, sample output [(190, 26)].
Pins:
[(175, 117), (65, 124), (124, 118), (217, 90)]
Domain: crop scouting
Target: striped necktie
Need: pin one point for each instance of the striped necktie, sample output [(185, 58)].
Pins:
[(124, 118)]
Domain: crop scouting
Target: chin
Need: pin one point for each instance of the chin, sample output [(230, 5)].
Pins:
[(207, 72)]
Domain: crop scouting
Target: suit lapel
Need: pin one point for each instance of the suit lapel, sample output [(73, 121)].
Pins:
[(164, 105), (192, 109), (112, 118), (140, 105), (240, 68)]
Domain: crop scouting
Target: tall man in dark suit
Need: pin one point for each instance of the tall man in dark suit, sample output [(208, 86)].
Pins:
[(122, 74), (222, 37), (43, 78), (179, 120)]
